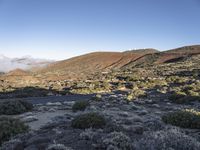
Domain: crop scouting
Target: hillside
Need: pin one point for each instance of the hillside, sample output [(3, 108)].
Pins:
[(84, 65), (173, 55)]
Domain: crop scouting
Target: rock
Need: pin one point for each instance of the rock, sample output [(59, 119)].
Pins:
[(42, 108), (29, 119), (136, 119), (38, 139), (70, 103), (114, 109), (15, 144), (156, 105), (158, 113), (142, 112), (123, 114), (149, 101), (52, 110), (93, 108), (58, 147), (133, 106), (169, 103), (107, 105), (50, 94), (139, 102), (26, 114), (54, 104), (137, 129)]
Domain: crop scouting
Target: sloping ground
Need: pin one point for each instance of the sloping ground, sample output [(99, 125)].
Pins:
[(84, 65), (19, 77), (81, 67), (18, 72), (186, 49), (174, 55)]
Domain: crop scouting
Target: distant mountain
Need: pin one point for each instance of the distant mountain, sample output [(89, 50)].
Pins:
[(7, 64)]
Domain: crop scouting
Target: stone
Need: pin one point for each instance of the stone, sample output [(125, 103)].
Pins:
[(25, 114), (50, 94), (137, 129), (15, 144), (142, 112), (54, 104), (52, 110), (93, 108), (70, 103), (156, 105), (123, 114), (42, 108), (29, 119)]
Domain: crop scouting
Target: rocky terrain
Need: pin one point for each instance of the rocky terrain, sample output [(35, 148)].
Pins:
[(143, 101)]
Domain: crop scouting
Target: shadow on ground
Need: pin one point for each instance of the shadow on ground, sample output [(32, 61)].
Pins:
[(29, 92)]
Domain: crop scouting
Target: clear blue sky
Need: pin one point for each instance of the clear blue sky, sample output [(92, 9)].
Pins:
[(60, 29)]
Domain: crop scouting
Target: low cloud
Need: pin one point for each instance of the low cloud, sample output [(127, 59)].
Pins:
[(8, 64)]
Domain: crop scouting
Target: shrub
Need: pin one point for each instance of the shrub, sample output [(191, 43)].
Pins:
[(80, 106), (118, 141), (10, 127), (88, 134), (26, 104), (181, 97), (13, 107), (171, 139), (183, 118), (136, 94), (89, 120)]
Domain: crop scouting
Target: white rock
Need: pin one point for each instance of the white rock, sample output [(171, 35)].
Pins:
[(30, 119), (54, 104)]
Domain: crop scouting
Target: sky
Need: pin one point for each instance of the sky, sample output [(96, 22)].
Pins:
[(60, 29)]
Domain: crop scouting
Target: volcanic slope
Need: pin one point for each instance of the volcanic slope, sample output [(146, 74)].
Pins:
[(81, 66)]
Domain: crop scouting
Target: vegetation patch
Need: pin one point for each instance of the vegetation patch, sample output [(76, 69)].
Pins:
[(13, 107), (182, 97), (80, 106), (137, 93), (117, 140), (168, 139), (89, 120), (188, 118), (10, 127)]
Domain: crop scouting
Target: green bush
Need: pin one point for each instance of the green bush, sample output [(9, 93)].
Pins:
[(13, 107), (80, 106), (89, 120), (182, 98), (137, 93), (184, 119), (178, 97), (10, 127), (193, 93)]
